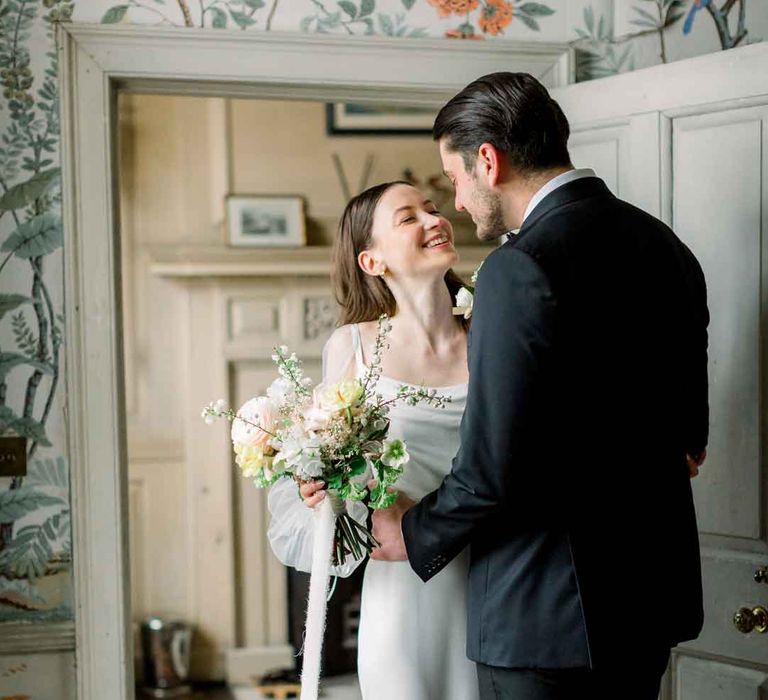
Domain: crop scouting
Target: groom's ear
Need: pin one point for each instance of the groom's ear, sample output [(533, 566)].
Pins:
[(490, 163)]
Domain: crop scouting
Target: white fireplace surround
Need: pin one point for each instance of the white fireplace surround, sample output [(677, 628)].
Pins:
[(96, 62)]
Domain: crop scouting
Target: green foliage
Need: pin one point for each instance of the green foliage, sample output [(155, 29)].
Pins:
[(24, 427), (49, 473), (25, 193), (114, 14), (9, 302), (241, 19), (25, 340), (220, 18), (353, 18), (668, 12), (528, 11), (38, 236), (16, 503), (596, 54)]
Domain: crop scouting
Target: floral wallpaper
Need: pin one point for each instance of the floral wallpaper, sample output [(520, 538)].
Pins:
[(35, 540)]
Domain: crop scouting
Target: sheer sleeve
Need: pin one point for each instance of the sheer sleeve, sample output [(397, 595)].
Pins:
[(291, 527)]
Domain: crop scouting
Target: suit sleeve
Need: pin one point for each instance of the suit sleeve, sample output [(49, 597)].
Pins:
[(513, 326), (695, 364)]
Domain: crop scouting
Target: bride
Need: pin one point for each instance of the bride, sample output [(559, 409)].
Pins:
[(393, 255)]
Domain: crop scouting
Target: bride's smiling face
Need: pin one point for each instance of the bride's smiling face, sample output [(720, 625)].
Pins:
[(411, 238)]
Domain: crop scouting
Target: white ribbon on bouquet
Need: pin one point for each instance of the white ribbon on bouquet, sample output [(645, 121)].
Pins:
[(314, 629)]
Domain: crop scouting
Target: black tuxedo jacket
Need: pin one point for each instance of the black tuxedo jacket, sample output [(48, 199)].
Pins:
[(588, 386)]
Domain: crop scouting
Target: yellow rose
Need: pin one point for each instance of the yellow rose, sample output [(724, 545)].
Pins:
[(346, 394), (251, 460)]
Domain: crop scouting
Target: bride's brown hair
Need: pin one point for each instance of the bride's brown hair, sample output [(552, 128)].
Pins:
[(363, 297)]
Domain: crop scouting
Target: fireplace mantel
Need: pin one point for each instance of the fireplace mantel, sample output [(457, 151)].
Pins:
[(209, 262)]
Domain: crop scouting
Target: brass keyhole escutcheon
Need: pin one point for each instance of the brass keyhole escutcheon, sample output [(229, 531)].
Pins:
[(748, 620)]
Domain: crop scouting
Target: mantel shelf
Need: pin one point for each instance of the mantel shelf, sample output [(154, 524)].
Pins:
[(198, 262)]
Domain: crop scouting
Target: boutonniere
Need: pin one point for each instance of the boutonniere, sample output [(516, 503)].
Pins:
[(465, 298)]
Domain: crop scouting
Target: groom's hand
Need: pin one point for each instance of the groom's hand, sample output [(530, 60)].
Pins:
[(388, 532)]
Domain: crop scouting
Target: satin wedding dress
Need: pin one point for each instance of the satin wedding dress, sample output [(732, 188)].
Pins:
[(412, 638)]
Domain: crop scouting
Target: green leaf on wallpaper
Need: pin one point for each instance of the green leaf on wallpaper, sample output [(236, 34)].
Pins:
[(9, 302), (306, 23), (11, 360), (367, 7), (254, 4), (219, 17), (529, 22), (16, 503), (7, 419), (408, 4), (674, 17), (535, 8), (40, 235), (589, 19), (48, 472), (241, 19), (28, 554), (386, 25), (32, 430), (114, 14), (369, 26), (19, 196), (349, 7)]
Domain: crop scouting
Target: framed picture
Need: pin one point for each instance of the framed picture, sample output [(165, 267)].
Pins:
[(266, 221), (354, 119)]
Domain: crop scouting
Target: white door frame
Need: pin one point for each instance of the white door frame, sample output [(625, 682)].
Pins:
[(96, 62)]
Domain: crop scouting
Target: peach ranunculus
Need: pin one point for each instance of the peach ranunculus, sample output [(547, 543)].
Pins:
[(495, 15), (261, 411), (455, 7)]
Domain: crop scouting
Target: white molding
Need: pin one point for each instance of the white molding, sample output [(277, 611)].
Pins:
[(136, 54), (32, 638), (206, 263), (727, 75), (95, 401), (96, 61)]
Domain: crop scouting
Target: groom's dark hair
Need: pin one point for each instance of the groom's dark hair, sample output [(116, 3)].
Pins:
[(512, 111)]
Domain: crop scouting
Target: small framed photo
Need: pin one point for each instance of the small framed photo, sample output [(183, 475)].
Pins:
[(266, 221), (353, 119)]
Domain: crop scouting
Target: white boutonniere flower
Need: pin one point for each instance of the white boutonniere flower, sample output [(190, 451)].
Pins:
[(465, 298)]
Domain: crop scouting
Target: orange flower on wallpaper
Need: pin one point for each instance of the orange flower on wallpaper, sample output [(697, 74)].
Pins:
[(495, 15), (454, 7)]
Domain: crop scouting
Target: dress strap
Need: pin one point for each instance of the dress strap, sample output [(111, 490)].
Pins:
[(357, 344)]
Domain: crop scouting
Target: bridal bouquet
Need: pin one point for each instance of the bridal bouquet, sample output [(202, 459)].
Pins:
[(337, 433)]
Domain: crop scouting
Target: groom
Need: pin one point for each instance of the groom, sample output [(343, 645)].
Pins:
[(587, 415)]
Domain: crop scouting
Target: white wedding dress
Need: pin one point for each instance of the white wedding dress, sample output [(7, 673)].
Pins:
[(412, 638)]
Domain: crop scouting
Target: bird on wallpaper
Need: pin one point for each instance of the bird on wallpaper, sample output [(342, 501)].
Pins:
[(697, 5)]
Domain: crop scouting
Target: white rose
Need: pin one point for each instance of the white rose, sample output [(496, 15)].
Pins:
[(316, 418), (280, 390), (464, 300)]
